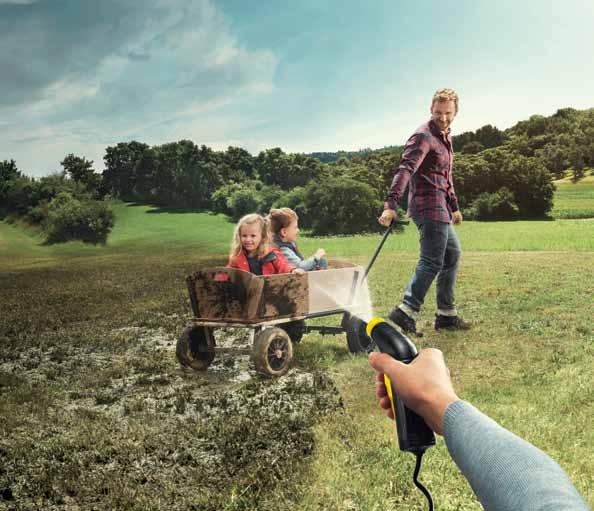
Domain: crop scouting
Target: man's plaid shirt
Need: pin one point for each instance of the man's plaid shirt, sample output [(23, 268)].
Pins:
[(426, 166)]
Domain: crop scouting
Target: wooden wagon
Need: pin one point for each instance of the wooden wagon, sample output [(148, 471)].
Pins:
[(274, 308)]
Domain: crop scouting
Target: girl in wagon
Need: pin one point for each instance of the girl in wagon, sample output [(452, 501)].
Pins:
[(285, 228), (251, 250)]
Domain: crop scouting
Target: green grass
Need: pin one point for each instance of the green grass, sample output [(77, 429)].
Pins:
[(574, 200), (139, 230), (144, 233), (93, 409), (527, 362)]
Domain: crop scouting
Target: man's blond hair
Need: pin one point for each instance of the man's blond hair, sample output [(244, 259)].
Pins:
[(445, 95)]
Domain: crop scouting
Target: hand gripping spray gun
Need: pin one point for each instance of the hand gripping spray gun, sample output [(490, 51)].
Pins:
[(413, 433)]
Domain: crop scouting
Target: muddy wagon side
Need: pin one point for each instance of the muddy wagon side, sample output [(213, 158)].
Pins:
[(274, 309)]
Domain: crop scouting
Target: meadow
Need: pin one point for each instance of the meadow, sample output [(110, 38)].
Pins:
[(95, 412)]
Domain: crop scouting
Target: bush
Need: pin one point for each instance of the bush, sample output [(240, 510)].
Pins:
[(221, 197), (70, 219), (268, 196), (38, 215), (341, 205), (241, 202), (495, 206)]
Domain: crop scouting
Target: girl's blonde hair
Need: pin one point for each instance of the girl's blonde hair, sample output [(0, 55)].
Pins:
[(280, 219), (252, 218)]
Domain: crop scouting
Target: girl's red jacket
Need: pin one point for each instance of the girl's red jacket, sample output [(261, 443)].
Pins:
[(273, 262)]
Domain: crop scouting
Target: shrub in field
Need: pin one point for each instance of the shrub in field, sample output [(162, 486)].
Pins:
[(241, 202), (236, 200), (38, 215), (341, 205), (295, 199), (495, 206), (71, 219)]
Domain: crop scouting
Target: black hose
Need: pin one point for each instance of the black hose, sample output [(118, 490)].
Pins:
[(424, 490)]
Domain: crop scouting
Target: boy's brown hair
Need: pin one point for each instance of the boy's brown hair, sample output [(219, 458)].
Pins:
[(280, 219)]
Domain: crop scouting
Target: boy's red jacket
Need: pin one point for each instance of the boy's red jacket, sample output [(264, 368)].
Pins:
[(273, 262)]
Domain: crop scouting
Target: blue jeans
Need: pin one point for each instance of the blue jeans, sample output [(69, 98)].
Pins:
[(439, 256)]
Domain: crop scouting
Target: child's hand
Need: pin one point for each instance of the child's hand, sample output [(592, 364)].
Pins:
[(298, 271), (320, 252)]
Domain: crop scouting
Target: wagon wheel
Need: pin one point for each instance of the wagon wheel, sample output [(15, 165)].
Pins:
[(196, 347), (272, 351), (357, 339), (295, 329)]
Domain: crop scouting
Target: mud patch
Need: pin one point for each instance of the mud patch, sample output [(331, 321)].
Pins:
[(127, 427)]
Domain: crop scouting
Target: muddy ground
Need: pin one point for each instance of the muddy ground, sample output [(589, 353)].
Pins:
[(91, 428)]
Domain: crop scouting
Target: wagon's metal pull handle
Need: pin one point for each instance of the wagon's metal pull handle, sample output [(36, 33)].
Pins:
[(381, 244)]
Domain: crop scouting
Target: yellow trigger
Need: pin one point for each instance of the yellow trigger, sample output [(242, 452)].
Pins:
[(388, 384)]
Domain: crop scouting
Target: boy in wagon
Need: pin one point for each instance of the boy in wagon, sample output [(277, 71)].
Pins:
[(284, 227)]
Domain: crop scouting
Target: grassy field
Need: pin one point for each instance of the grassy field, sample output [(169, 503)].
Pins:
[(95, 413), (574, 200)]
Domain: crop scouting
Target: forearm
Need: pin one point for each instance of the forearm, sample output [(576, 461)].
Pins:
[(401, 179), (505, 472), (308, 264), (453, 202)]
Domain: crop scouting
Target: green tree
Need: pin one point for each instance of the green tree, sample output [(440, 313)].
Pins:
[(473, 147), (532, 186), (119, 178), (489, 136), (554, 159), (8, 171), (237, 165), (81, 170), (145, 176)]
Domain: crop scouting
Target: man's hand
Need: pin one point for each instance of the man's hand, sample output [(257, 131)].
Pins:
[(387, 217), (424, 385), (457, 217), (298, 271)]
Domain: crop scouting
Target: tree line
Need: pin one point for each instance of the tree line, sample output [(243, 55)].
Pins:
[(497, 174)]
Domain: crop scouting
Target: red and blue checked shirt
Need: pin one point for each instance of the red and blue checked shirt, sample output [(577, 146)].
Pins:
[(426, 166)]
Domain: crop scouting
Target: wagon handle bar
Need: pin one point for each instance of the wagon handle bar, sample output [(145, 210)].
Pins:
[(381, 244)]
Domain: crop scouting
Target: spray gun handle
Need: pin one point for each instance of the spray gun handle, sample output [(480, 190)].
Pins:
[(413, 433)]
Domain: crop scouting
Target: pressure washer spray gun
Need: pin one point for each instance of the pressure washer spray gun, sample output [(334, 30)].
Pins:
[(413, 433)]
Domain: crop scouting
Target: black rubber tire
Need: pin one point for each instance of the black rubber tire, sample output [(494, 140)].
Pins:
[(272, 351), (357, 339), (295, 329), (196, 347)]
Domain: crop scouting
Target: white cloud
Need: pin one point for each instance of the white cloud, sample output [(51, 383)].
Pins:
[(182, 64)]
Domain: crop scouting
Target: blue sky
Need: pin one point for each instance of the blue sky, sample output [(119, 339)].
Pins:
[(79, 75)]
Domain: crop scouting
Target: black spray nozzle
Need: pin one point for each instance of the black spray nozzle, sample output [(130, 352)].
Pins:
[(391, 340), (413, 433)]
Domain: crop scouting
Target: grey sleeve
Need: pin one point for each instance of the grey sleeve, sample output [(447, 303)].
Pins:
[(505, 472), (305, 264)]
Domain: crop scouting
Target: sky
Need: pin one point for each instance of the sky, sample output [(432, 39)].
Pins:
[(308, 75)]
